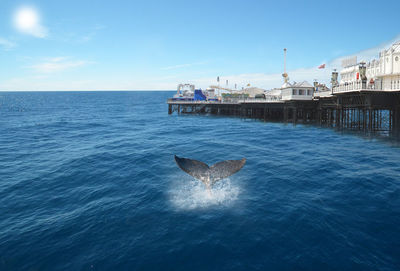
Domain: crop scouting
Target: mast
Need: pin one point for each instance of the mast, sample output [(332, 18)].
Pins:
[(284, 75)]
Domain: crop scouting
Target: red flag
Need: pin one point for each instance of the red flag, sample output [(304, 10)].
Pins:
[(321, 66)]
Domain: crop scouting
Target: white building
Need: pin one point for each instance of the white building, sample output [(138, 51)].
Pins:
[(387, 68), (297, 91), (291, 92), (380, 74)]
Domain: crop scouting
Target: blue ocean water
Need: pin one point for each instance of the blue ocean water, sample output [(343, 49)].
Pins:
[(88, 182)]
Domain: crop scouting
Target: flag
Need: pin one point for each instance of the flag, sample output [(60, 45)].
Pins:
[(321, 66)]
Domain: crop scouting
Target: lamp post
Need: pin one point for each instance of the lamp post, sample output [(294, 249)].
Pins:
[(363, 75), (334, 79)]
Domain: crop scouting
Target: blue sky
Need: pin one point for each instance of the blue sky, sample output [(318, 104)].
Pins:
[(88, 45)]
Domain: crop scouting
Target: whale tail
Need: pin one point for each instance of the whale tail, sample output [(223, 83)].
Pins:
[(209, 175)]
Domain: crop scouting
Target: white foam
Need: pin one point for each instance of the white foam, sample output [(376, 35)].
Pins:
[(188, 194)]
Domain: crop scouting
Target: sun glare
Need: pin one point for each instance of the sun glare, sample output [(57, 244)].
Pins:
[(26, 18)]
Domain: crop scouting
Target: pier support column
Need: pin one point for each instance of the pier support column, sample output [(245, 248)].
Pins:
[(294, 119), (337, 117), (285, 114), (370, 119), (396, 119), (265, 113)]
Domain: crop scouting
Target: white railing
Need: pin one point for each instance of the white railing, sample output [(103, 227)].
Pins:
[(354, 86)]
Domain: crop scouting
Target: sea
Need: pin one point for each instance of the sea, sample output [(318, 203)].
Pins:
[(88, 181)]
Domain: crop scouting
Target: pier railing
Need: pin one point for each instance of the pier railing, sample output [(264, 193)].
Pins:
[(355, 86)]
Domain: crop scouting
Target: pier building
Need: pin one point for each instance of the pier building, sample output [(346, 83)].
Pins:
[(378, 74), (298, 91)]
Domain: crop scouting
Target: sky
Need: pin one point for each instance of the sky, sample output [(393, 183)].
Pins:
[(156, 45)]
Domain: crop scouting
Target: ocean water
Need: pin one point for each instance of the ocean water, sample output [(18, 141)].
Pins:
[(88, 182)]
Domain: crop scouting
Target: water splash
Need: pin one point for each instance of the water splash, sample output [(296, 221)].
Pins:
[(189, 194)]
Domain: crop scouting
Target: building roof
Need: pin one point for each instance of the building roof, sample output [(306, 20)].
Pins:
[(303, 84)]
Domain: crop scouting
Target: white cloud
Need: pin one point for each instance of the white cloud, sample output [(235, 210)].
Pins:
[(57, 64), (27, 21), (7, 44)]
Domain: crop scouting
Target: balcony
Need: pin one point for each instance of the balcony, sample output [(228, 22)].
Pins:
[(355, 86)]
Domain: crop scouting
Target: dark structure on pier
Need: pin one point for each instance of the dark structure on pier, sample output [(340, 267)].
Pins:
[(372, 111)]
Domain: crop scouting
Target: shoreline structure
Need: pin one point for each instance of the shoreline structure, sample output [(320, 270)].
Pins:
[(366, 98)]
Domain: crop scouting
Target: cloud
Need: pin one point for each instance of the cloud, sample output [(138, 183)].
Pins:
[(57, 64), (184, 65), (27, 21), (7, 44)]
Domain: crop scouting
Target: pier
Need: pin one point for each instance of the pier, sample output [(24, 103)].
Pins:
[(366, 98), (364, 110)]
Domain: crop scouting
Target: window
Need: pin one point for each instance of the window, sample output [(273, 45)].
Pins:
[(309, 92), (396, 58), (301, 91), (294, 92)]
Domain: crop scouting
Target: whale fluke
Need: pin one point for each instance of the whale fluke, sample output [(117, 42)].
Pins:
[(209, 175)]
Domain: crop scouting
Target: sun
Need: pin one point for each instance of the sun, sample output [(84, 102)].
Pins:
[(26, 18)]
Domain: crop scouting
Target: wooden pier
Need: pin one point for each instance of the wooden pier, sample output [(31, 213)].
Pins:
[(370, 111)]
